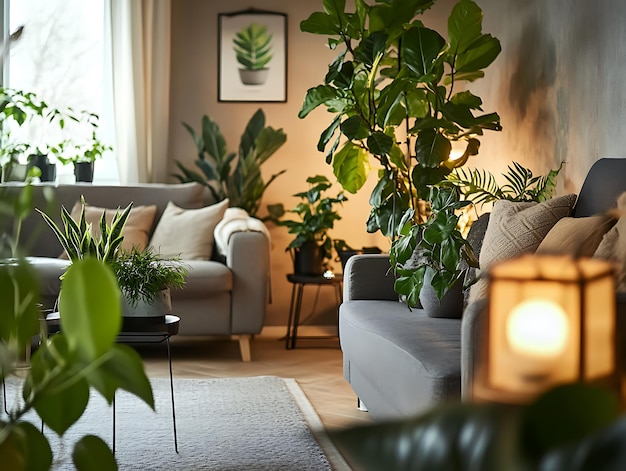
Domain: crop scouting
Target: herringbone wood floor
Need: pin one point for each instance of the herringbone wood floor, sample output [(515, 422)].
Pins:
[(316, 364)]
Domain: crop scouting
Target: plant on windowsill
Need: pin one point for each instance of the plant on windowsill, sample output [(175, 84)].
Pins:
[(65, 367), (392, 91), (313, 245), (240, 182)]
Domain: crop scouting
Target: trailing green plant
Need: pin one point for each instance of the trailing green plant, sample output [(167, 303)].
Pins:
[(316, 216), (142, 274), (66, 366), (253, 46), (433, 248), (227, 174), (77, 238), (481, 187)]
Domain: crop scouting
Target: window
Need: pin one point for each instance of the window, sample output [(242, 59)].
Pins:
[(61, 56)]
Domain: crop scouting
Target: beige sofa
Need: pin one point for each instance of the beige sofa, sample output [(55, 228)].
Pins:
[(224, 295)]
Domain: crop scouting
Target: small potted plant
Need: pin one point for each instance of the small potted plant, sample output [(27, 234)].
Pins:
[(84, 156), (145, 280), (312, 245)]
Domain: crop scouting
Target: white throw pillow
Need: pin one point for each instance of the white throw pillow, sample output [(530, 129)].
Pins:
[(187, 233)]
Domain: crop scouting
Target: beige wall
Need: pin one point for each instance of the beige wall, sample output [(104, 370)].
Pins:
[(558, 86)]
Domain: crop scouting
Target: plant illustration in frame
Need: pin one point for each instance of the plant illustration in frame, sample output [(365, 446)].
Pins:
[(252, 56), (253, 49)]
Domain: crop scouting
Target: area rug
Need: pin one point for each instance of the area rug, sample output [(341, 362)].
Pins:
[(257, 423)]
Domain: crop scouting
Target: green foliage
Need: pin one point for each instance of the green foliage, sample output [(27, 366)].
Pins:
[(65, 366), (570, 428), (253, 46), (433, 248), (76, 236), (229, 175), (142, 274), (316, 215), (393, 81), (480, 186)]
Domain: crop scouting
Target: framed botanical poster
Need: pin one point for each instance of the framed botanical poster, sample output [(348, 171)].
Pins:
[(252, 56)]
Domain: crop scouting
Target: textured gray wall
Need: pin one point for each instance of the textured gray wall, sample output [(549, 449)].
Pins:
[(559, 84)]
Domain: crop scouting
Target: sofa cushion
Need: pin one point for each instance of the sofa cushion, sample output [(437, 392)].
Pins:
[(514, 229), (206, 277), (187, 233), (578, 237), (136, 231), (613, 245), (410, 358)]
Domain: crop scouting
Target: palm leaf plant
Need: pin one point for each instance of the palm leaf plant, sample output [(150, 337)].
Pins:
[(398, 94), (481, 186), (253, 46), (236, 176)]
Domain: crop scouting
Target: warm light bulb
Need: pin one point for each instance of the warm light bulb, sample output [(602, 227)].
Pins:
[(537, 328)]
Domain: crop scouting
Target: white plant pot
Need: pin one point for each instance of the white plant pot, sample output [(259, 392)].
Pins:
[(253, 77), (160, 306)]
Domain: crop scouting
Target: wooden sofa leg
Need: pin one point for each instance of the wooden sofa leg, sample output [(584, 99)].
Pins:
[(244, 347)]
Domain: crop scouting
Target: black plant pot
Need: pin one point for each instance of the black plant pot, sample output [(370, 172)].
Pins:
[(309, 259), (83, 171), (48, 170)]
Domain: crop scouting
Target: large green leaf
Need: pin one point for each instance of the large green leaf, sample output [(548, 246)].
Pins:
[(379, 143), (464, 25), (355, 128), (320, 23), (24, 448), (124, 369), (432, 148), (320, 95), (93, 453), (268, 141), (89, 305), (420, 49), (253, 128), (19, 315), (214, 142), (479, 56), (351, 166), (63, 404)]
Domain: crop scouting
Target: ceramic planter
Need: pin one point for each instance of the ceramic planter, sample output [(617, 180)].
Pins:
[(83, 171), (308, 259), (159, 307)]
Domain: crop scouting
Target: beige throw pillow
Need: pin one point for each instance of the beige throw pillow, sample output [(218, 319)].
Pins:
[(136, 231), (514, 229), (187, 233), (579, 237), (613, 245)]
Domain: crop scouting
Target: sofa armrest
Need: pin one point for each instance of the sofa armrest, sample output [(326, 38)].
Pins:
[(368, 276), (248, 258)]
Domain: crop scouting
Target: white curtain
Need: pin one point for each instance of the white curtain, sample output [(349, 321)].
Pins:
[(140, 34)]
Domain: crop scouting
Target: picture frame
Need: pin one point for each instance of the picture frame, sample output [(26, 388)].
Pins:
[(252, 59)]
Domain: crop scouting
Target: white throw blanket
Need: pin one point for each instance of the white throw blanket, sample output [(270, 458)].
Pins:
[(238, 220)]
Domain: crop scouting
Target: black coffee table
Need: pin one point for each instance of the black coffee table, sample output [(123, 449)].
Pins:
[(136, 330)]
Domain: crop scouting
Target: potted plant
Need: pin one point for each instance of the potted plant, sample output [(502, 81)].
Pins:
[(145, 280), (64, 368), (393, 90), (83, 156), (253, 50), (313, 245), (76, 236), (240, 182)]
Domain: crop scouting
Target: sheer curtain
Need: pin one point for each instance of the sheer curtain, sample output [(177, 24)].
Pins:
[(139, 38)]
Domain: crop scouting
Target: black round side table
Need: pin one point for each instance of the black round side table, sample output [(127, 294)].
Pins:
[(299, 282)]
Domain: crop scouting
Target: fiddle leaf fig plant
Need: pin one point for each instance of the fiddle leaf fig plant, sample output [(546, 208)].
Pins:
[(398, 92), (230, 175)]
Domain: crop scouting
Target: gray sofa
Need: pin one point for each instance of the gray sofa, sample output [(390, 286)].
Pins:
[(401, 362), (223, 296)]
